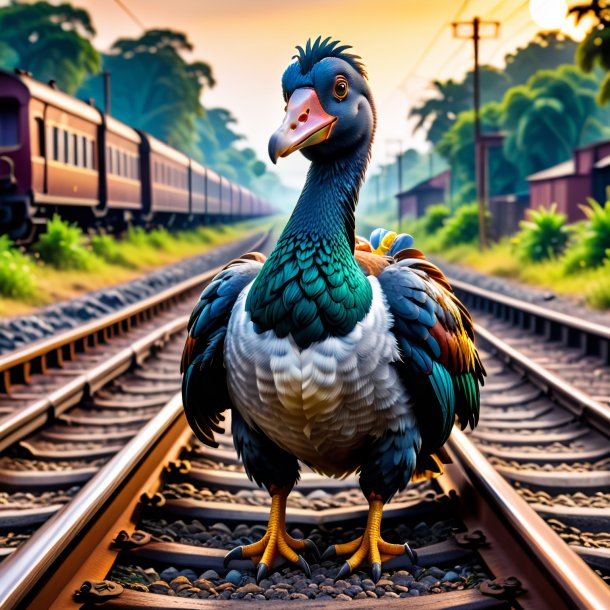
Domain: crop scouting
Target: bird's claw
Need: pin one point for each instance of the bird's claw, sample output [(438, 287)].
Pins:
[(329, 553), (344, 571), (261, 572), (311, 547), (376, 571), (236, 553), (410, 553), (304, 566)]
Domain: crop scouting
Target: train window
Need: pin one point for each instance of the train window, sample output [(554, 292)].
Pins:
[(85, 152), (67, 152), (136, 168), (110, 155), (76, 157), (125, 166), (56, 143), (9, 123), (39, 135)]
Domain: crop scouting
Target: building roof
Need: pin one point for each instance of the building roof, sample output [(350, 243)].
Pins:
[(603, 162), (567, 168), (438, 182)]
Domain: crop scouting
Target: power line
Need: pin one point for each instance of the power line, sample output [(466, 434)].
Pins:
[(131, 14), (431, 44)]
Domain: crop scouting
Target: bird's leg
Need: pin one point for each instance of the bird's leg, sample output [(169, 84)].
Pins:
[(370, 546), (276, 541)]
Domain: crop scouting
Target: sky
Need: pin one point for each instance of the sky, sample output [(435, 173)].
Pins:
[(404, 44)]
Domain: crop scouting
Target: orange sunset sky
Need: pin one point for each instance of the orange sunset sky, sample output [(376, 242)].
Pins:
[(404, 44)]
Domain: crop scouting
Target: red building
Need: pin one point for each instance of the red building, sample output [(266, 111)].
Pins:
[(414, 202), (568, 184)]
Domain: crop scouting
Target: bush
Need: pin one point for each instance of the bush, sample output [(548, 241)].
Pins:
[(62, 246), (16, 278), (545, 235), (106, 248), (463, 226), (435, 218), (159, 238), (136, 236), (593, 244)]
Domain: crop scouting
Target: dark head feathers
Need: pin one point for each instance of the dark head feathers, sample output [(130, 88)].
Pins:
[(321, 49)]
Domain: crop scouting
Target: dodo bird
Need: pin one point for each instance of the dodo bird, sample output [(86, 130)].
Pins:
[(343, 354)]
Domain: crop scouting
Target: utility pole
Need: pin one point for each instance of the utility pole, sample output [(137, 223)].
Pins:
[(106, 76), (473, 30), (399, 173)]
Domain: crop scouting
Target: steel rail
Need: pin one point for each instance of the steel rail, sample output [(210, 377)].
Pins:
[(20, 572), (579, 403), (562, 319), (15, 426), (582, 588), (16, 366)]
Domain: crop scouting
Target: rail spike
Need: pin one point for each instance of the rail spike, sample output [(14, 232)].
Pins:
[(94, 590)]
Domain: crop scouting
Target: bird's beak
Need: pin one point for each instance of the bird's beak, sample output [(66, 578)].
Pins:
[(306, 123)]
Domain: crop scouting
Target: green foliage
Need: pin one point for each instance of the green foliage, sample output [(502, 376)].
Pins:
[(107, 248), (51, 41), (545, 235), (154, 88), (62, 246), (551, 115), (599, 294), (463, 226), (450, 98), (434, 218), (592, 247), (457, 147), (16, 279)]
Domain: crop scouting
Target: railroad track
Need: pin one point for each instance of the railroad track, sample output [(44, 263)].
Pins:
[(70, 402), (150, 525), (554, 447)]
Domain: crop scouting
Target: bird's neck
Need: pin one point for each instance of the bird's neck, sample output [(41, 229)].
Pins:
[(311, 286), (327, 205)]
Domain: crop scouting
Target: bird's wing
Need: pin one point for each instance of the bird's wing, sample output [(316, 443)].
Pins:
[(440, 365), (204, 384)]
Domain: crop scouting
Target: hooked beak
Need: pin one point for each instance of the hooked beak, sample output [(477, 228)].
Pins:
[(306, 123)]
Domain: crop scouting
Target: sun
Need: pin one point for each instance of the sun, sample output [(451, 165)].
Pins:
[(549, 14), (553, 15)]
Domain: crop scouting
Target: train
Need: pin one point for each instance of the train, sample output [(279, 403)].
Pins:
[(61, 155)]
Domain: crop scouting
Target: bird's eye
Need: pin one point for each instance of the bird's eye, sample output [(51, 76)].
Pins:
[(340, 89)]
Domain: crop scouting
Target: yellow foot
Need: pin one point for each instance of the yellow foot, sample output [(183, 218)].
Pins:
[(369, 546), (275, 542)]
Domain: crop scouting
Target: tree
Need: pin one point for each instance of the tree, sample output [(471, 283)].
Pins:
[(457, 147), (154, 88), (451, 97), (551, 115), (546, 51), (50, 41)]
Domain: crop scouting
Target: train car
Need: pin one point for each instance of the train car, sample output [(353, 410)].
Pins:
[(165, 176), (58, 154), (235, 200), (121, 167), (246, 202), (226, 199), (214, 194), (49, 154), (198, 189)]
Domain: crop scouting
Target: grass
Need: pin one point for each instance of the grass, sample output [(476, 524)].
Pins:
[(31, 281)]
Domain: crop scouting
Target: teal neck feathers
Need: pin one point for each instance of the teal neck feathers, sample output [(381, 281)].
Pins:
[(311, 286)]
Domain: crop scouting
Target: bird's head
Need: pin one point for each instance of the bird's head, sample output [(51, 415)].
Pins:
[(329, 107)]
